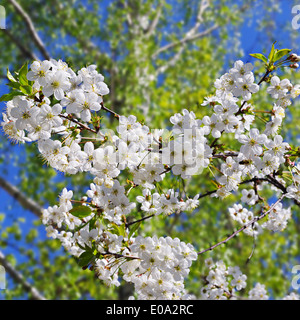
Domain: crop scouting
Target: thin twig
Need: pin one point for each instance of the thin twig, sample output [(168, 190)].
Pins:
[(192, 33), (185, 40), (257, 218), (137, 221), (116, 115), (79, 123)]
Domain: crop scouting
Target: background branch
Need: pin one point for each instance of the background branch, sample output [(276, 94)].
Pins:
[(155, 21), (192, 34), (24, 50), (30, 26), (17, 277), (25, 202)]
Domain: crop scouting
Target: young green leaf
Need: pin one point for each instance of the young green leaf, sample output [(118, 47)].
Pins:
[(15, 85), (92, 223), (281, 53), (10, 77), (272, 53), (26, 89), (10, 96), (81, 211), (23, 75), (118, 230), (134, 228), (85, 258), (259, 56)]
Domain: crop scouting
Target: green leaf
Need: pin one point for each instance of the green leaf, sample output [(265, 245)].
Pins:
[(281, 53), (259, 56), (272, 53), (118, 230), (92, 223), (85, 258), (10, 77), (10, 96), (32, 234), (15, 85), (81, 211), (26, 89), (134, 228), (22, 75)]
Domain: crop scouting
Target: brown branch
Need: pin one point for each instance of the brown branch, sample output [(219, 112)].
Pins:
[(17, 276), (225, 155), (70, 118), (257, 218), (117, 255), (116, 115), (265, 76), (276, 183), (140, 220)]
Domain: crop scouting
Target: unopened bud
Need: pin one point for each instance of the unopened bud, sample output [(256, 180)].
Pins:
[(98, 181), (294, 65), (288, 162), (108, 183), (294, 57), (75, 133)]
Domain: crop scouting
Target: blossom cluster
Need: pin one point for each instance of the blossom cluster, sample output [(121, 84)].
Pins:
[(61, 116), (224, 283), (36, 118), (164, 264), (156, 266), (260, 153)]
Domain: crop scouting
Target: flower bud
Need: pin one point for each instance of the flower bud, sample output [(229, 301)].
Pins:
[(98, 181), (294, 57), (294, 65), (108, 183)]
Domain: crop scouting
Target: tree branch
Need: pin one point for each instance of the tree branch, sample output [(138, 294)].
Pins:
[(257, 218), (140, 220), (192, 34), (27, 53), (171, 62), (25, 202), (186, 39), (20, 279), (155, 21), (30, 26), (116, 115), (82, 126)]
